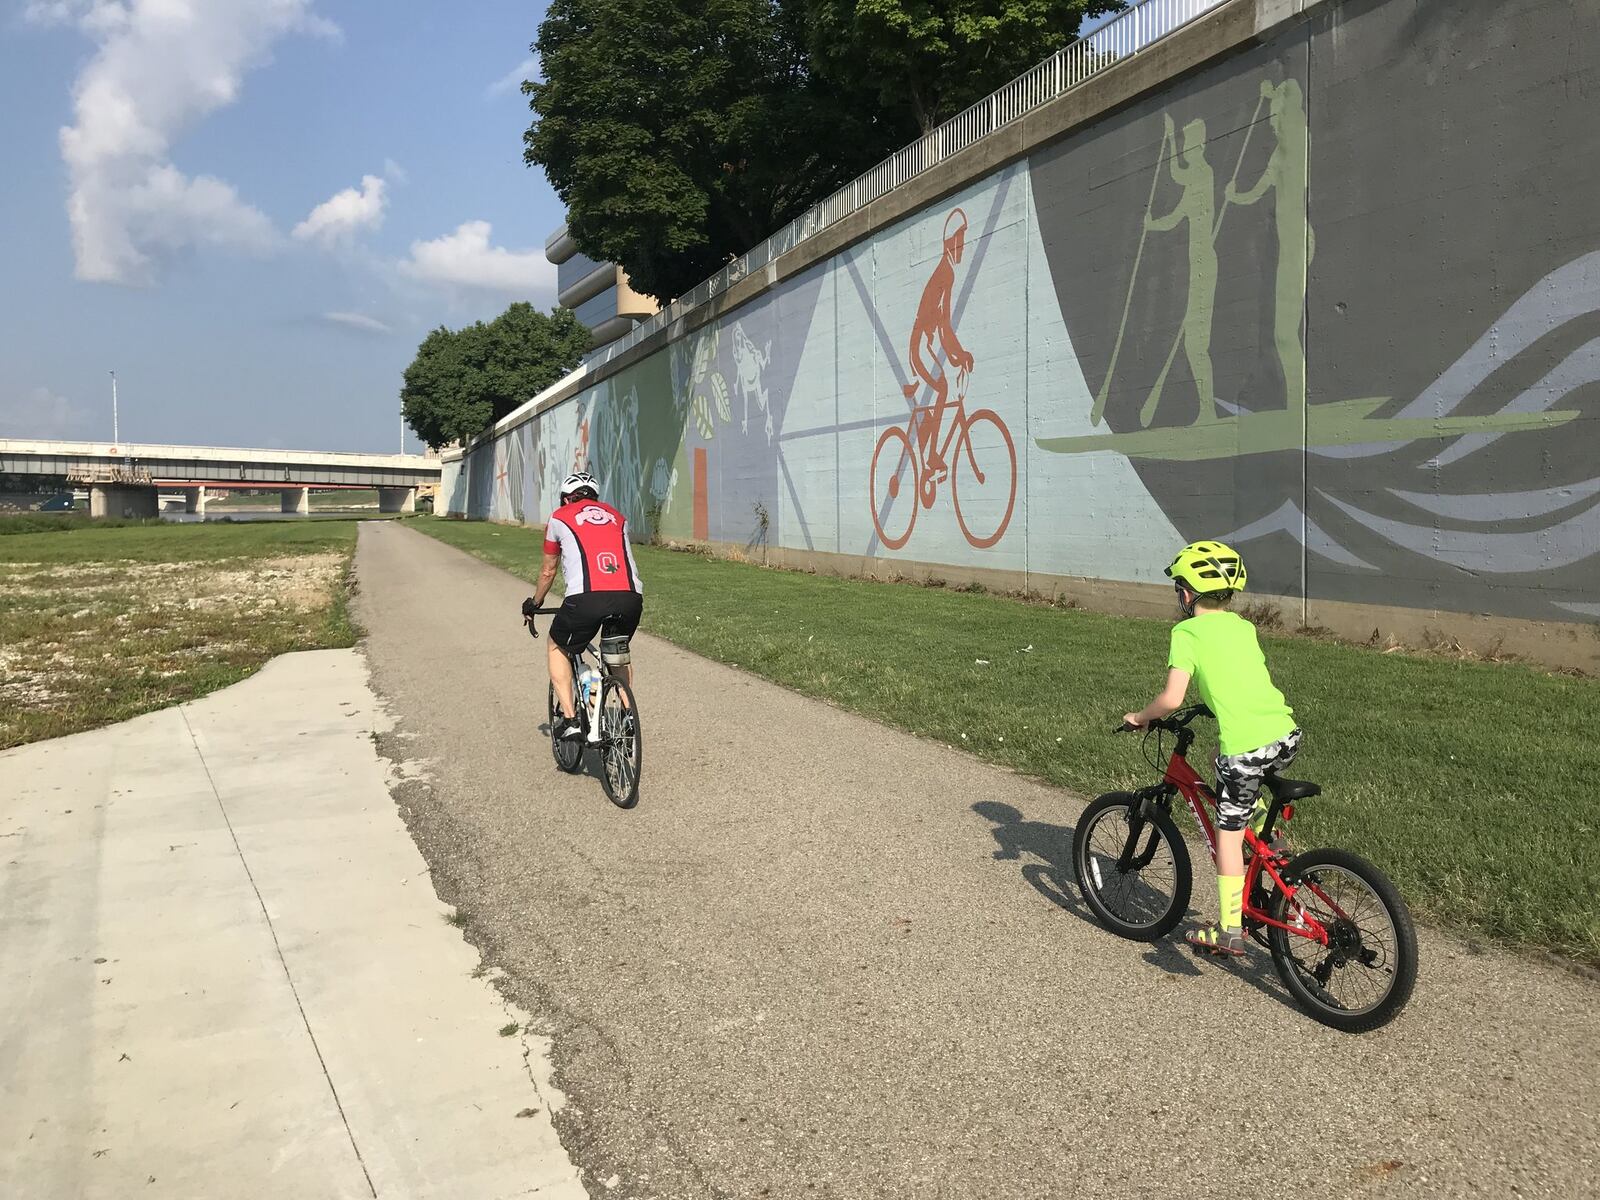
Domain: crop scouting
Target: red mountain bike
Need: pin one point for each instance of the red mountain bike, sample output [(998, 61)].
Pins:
[(1340, 935)]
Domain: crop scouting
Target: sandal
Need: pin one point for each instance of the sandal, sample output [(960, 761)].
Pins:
[(1213, 939)]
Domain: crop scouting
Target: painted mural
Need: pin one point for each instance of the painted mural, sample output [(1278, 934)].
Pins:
[(912, 460), (1272, 304)]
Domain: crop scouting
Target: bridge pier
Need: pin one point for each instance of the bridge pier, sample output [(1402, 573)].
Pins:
[(397, 499), (123, 500), (296, 500), (194, 500)]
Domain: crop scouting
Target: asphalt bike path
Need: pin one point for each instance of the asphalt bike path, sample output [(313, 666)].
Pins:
[(824, 958)]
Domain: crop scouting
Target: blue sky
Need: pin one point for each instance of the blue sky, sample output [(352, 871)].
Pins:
[(253, 210), (174, 233)]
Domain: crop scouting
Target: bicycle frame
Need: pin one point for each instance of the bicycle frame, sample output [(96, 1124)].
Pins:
[(921, 413), (1180, 778), (575, 657)]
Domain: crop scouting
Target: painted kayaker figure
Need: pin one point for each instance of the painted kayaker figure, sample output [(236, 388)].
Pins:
[(1196, 207)]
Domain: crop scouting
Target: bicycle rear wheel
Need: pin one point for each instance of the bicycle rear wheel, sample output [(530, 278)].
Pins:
[(1147, 898), (621, 748), (1365, 974), (894, 487), (568, 754)]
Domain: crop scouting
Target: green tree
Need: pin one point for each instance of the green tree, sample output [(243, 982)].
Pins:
[(930, 59), (463, 380), (680, 133)]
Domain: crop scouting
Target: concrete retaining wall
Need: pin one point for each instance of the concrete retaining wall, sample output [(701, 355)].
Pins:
[(1315, 279)]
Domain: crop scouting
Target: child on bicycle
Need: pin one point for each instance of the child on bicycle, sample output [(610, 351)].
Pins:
[(1220, 652)]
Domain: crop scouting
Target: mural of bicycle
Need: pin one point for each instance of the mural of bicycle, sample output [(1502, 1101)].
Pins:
[(976, 457)]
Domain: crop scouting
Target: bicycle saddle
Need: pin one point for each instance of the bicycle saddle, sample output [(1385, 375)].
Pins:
[(1291, 789)]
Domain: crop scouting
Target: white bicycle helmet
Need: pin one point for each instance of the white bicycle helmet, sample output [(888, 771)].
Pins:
[(579, 480)]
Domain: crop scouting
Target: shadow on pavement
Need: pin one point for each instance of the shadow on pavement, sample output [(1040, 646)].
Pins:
[(589, 766), (1051, 875)]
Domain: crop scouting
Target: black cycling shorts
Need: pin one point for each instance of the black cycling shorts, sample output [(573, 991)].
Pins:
[(582, 616)]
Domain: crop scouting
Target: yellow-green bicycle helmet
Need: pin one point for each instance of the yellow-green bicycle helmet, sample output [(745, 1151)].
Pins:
[(1204, 567)]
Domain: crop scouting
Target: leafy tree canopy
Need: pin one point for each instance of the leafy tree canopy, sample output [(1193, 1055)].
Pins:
[(463, 380), (930, 59), (680, 133)]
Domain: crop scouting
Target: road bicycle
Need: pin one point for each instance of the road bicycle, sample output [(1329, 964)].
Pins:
[(902, 481), (1340, 935), (609, 718)]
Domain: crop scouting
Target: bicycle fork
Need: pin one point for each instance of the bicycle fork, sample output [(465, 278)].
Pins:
[(1132, 858)]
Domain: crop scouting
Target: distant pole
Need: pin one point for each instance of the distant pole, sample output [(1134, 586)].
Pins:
[(116, 438), (402, 431)]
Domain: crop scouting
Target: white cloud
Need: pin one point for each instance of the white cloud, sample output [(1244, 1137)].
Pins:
[(394, 172), (344, 214), (359, 321), (465, 259), (511, 81), (42, 414), (161, 66)]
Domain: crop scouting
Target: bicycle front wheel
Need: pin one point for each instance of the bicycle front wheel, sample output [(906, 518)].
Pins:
[(621, 748), (568, 753), (1147, 896), (983, 479), (1364, 975)]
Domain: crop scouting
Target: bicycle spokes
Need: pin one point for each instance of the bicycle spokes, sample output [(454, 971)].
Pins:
[(1352, 964)]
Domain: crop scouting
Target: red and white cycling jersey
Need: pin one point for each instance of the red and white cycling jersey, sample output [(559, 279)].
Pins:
[(592, 539)]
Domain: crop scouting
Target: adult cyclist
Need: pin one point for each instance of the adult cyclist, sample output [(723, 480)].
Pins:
[(588, 540)]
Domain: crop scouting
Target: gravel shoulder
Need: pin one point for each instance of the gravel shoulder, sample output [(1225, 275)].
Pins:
[(823, 958)]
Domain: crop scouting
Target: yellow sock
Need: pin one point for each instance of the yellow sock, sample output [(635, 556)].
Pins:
[(1230, 896), (1258, 816)]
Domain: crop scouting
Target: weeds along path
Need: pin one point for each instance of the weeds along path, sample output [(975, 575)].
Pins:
[(824, 958), (99, 623)]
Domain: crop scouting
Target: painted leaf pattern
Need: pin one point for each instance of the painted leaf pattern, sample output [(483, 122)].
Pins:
[(719, 392), (702, 417)]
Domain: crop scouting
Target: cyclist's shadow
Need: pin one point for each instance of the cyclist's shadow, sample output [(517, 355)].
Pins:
[(588, 765), (1051, 875)]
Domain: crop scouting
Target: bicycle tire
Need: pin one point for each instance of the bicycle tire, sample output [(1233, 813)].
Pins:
[(984, 416), (893, 491), (568, 754), (619, 772), (1162, 914), (1398, 962)]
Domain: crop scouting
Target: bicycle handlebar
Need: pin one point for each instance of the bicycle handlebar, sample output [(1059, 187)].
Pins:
[(1176, 723), (530, 610)]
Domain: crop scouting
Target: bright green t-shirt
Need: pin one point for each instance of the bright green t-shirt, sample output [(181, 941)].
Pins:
[(1221, 652)]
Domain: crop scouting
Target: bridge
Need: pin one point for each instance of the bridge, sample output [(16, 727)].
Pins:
[(126, 480)]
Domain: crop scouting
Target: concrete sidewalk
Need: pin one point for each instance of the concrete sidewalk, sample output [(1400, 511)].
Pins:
[(225, 973)]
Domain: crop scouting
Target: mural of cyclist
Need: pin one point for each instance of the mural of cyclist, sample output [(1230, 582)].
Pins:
[(933, 323)]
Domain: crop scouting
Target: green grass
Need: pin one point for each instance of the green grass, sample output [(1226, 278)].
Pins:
[(1473, 785), (108, 621), (168, 541), (60, 522)]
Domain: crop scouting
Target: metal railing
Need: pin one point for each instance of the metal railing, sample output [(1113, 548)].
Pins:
[(1127, 34), (125, 474)]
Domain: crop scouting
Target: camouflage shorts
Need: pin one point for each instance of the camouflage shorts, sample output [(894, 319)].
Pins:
[(1239, 779)]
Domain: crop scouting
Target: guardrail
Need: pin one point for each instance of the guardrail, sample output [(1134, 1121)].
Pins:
[(1125, 35), (129, 474)]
